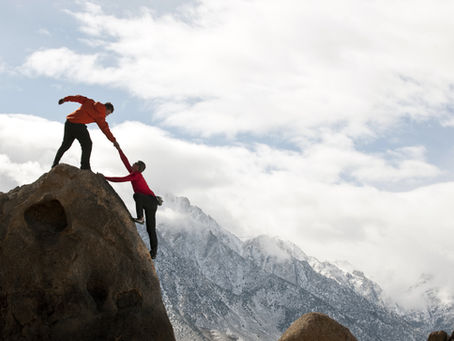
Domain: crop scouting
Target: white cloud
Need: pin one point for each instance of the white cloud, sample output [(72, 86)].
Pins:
[(64, 63), (13, 174), (3, 66), (44, 32), (299, 196), (261, 67), (28, 138), (316, 74)]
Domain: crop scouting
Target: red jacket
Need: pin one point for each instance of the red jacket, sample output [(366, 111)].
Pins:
[(89, 112), (138, 182)]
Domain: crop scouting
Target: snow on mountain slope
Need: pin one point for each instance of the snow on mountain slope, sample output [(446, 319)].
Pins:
[(437, 312), (216, 287), (355, 280)]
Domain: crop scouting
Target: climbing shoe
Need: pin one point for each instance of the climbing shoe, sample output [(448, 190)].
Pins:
[(138, 220)]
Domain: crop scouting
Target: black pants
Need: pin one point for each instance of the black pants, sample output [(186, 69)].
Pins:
[(74, 131), (150, 205)]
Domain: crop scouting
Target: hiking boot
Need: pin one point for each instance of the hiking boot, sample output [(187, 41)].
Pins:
[(153, 253)]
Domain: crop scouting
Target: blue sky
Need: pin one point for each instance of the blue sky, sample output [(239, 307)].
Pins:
[(325, 123), (41, 25), (46, 24)]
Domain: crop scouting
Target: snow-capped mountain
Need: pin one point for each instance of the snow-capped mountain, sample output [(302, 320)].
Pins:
[(436, 312), (217, 287), (355, 280)]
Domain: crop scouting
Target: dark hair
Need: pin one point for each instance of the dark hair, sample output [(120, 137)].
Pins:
[(141, 166), (109, 106)]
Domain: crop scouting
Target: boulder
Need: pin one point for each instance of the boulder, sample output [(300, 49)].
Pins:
[(438, 336), (316, 327), (72, 265), (451, 338)]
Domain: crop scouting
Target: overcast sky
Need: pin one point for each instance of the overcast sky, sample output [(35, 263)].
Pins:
[(326, 123)]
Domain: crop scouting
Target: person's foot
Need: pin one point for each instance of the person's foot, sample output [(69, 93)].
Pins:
[(153, 253), (138, 220)]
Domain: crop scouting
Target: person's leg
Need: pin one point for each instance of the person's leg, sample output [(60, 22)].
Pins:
[(139, 199), (151, 206), (85, 143), (68, 139)]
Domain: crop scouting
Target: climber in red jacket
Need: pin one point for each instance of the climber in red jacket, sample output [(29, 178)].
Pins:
[(144, 197), (75, 127)]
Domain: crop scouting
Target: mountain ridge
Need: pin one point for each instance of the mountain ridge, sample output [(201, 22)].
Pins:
[(214, 281)]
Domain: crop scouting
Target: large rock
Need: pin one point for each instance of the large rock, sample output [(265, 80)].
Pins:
[(316, 327), (72, 266), (438, 336)]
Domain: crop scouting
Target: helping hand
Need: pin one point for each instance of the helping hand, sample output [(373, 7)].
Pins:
[(61, 101)]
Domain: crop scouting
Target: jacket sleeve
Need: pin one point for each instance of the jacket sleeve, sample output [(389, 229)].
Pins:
[(129, 177), (99, 115), (102, 124), (125, 161), (78, 98)]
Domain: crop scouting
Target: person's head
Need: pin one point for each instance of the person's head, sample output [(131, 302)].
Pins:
[(109, 108), (138, 166)]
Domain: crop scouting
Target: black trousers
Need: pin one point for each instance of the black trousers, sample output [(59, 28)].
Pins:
[(148, 203), (80, 132)]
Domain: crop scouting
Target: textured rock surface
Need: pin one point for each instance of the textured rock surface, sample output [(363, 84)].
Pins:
[(438, 336), (316, 326), (73, 266)]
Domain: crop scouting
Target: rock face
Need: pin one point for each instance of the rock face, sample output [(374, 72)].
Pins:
[(440, 335), (72, 266), (316, 326)]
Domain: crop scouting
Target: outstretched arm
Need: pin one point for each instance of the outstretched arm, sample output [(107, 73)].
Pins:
[(78, 98), (125, 160), (102, 124), (120, 178)]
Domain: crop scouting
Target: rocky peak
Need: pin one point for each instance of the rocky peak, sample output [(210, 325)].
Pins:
[(73, 266), (273, 247)]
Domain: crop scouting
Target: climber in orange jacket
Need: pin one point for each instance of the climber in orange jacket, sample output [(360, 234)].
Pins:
[(75, 127)]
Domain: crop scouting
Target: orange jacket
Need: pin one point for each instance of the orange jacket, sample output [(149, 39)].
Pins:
[(89, 112)]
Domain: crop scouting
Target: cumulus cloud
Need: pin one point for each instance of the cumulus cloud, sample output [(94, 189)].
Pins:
[(259, 67), (64, 63), (320, 76), (297, 195), (3, 66), (13, 173)]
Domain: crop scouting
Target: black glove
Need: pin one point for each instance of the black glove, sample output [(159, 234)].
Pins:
[(159, 200), (61, 101)]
